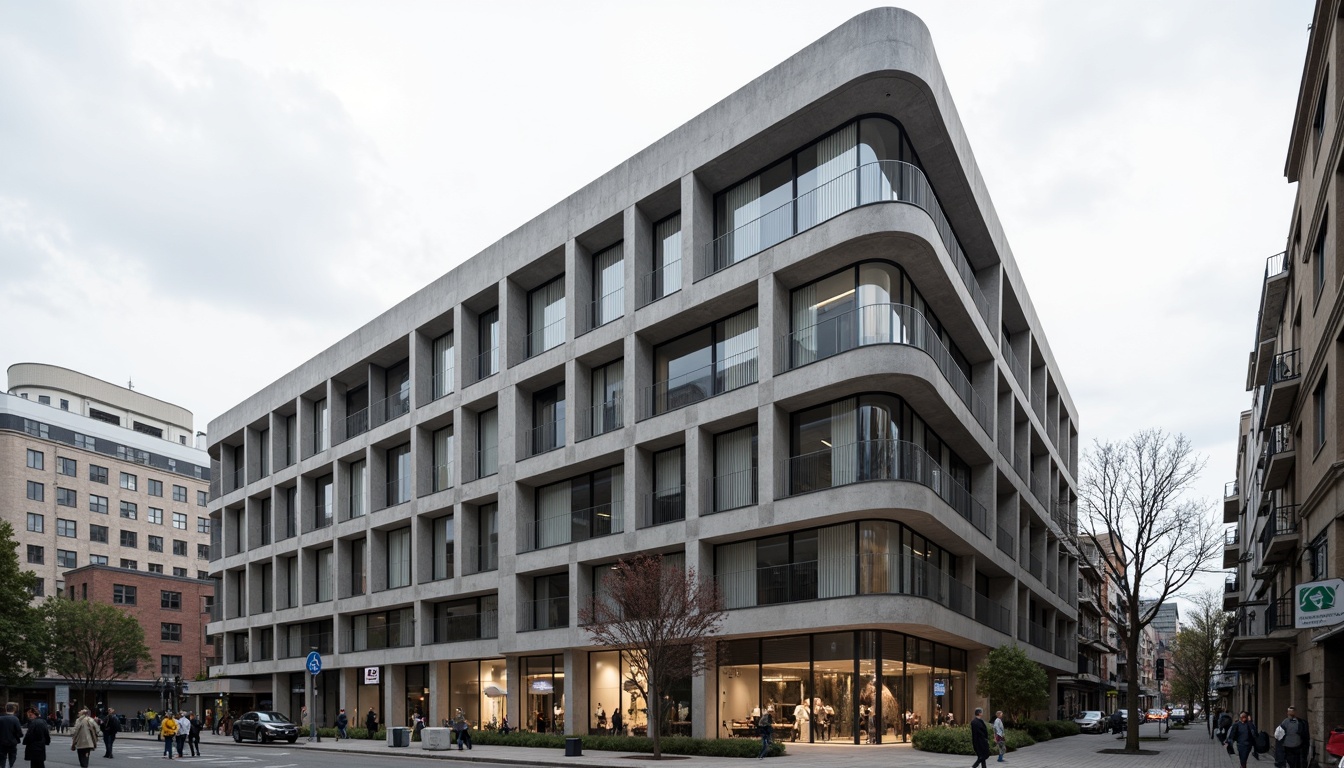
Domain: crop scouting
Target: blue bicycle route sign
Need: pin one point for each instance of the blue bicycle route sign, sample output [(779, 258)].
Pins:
[(314, 662)]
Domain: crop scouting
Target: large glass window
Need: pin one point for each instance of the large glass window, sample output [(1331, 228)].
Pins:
[(705, 363), (321, 426), (487, 362), (398, 388), (445, 365), (356, 411), (487, 443), (443, 458), (324, 490), (359, 479), (546, 317), (544, 683), (608, 285), (548, 419), (583, 507), (358, 571), (605, 399), (385, 629), (472, 619), (443, 542), (667, 503), (480, 689), (398, 475), (399, 558), (549, 607), (665, 278), (735, 469), (322, 576), (487, 538)]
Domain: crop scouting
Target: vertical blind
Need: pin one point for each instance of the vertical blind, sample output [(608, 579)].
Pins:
[(734, 465), (445, 363)]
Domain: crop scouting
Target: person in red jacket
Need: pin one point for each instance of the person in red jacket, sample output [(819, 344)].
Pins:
[(1334, 743)]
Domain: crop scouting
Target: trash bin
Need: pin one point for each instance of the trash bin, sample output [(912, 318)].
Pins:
[(398, 737), (573, 747)]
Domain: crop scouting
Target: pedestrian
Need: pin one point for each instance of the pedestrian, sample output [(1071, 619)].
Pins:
[(35, 741), (1293, 736), (980, 739), (11, 734), (766, 725), (168, 732), (463, 729), (183, 730), (371, 723), (194, 737), (601, 719), (801, 721), (85, 738), (1225, 721), (1000, 736), (1241, 737), (504, 726), (210, 720), (110, 730), (342, 721), (617, 722)]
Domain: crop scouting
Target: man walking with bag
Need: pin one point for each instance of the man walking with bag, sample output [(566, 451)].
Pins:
[(111, 727), (11, 733), (1293, 736), (1241, 736)]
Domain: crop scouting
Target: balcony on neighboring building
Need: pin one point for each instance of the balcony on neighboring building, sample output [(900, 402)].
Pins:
[(1278, 269), (1279, 618), (1231, 547), (1249, 635), (1231, 502), (1279, 457), (1231, 592), (1278, 539), (1285, 378)]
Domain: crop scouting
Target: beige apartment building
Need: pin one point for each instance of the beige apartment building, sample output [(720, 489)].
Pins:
[(1283, 508), (96, 474)]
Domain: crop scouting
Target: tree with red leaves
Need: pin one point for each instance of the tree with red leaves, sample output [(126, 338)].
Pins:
[(663, 619)]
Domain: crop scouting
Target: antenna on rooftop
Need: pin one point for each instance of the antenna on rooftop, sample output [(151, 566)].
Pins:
[(130, 384)]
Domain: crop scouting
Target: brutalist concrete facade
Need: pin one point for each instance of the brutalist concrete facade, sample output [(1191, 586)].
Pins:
[(344, 482)]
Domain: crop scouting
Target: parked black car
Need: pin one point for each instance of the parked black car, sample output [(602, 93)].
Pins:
[(263, 727)]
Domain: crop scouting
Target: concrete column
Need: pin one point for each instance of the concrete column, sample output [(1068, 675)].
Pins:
[(697, 224), (638, 254), (438, 706), (576, 704), (394, 695)]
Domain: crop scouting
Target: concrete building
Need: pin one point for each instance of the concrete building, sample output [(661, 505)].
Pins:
[(1093, 687), (96, 474), (173, 611), (1283, 506), (786, 346)]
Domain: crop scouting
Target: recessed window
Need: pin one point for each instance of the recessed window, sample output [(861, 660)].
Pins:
[(180, 493), (170, 601), (67, 528), (171, 633), (170, 665), (180, 521), (179, 547), (180, 572), (129, 510), (129, 539), (1318, 121), (66, 558), (66, 497), (97, 559), (123, 594), (155, 543), (202, 525), (98, 504), (67, 467), (155, 516), (202, 551), (154, 567), (98, 474), (36, 491), (98, 533), (546, 317), (130, 565), (85, 442), (128, 481), (202, 498), (1318, 557), (1318, 255), (36, 523), (35, 459), (155, 487), (36, 555), (1318, 412)]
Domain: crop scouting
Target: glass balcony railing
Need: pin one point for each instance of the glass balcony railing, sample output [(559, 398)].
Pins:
[(884, 181), (876, 324), (1006, 541), (873, 460)]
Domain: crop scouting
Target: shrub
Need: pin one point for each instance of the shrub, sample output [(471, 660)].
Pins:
[(1038, 730), (352, 733), (672, 745), (1061, 728), (956, 740)]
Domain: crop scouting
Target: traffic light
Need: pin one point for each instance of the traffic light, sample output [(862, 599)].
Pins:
[(1161, 669)]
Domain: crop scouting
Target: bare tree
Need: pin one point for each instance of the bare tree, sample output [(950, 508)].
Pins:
[(1134, 505), (1196, 654), (665, 622)]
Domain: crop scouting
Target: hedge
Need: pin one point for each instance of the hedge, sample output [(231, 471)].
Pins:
[(353, 734), (672, 745), (1050, 729), (956, 740)]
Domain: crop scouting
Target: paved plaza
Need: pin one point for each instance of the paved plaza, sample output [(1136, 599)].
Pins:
[(1182, 749)]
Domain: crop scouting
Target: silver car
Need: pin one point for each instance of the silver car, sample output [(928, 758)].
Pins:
[(1091, 721)]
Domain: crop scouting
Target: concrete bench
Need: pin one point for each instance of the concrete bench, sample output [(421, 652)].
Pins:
[(436, 738)]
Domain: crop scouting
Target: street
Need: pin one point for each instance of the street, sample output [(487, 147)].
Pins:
[(1183, 749)]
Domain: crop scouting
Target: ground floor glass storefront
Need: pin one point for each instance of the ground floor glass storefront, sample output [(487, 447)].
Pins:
[(864, 687), (613, 687), (479, 688)]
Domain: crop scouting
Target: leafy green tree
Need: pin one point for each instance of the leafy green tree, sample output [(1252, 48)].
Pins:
[(1196, 652), (1013, 682), (21, 651), (92, 644)]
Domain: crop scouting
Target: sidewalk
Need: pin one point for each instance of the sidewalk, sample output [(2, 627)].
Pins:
[(1183, 749)]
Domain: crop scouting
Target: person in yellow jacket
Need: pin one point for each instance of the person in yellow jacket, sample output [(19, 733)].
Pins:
[(168, 730)]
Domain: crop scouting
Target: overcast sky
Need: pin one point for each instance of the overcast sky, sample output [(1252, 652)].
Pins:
[(201, 196)]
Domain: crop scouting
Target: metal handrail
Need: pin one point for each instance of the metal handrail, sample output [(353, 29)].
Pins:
[(537, 341), (663, 506), (877, 324), (733, 490), (545, 437), (481, 558), (1232, 537), (441, 384), (722, 376), (603, 310), (1283, 522), (1231, 489), (486, 364), (546, 613), (468, 626), (1005, 541), (870, 460), (574, 525), (600, 419), (882, 181), (653, 285), (443, 477), (1014, 365), (1285, 367)]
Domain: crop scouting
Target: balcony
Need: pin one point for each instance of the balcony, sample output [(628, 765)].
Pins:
[(239, 479), (1231, 592), (875, 460), (705, 382), (1231, 502), (546, 338), (1250, 638), (1231, 547), (600, 419), (664, 506), (993, 614), (297, 646), (599, 312), (572, 526), (545, 438), (442, 382), (548, 613), (470, 626), (1279, 618), (395, 491), (1040, 636), (884, 181), (1035, 567), (845, 576), (485, 365), (1007, 543), (1278, 269), (482, 558), (877, 324), (733, 490), (661, 282), (1279, 539), (1285, 378), (379, 638), (1015, 365), (1089, 599), (1280, 456)]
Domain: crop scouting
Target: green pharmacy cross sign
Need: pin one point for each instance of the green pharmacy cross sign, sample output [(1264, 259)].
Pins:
[(1320, 604)]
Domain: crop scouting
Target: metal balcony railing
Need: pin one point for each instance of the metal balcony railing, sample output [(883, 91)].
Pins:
[(1279, 614), (577, 525), (485, 365), (872, 460), (545, 437), (1231, 584), (1006, 541), (663, 506), (883, 181), (443, 477), (294, 647), (548, 613), (661, 282), (1231, 489), (1285, 367), (442, 383), (993, 614), (1282, 522), (601, 311), (1014, 365), (879, 324), (732, 490), (600, 419), (379, 638), (1232, 537), (705, 382), (546, 337), (471, 626), (482, 558)]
